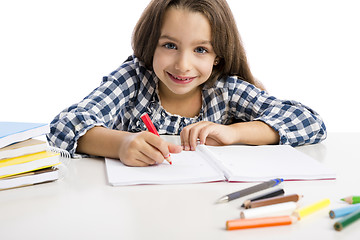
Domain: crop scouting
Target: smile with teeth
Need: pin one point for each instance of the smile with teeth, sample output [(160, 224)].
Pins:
[(178, 78)]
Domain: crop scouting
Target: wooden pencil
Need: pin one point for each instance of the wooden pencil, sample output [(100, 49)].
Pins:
[(343, 211), (259, 222), (312, 208), (279, 209), (351, 199), (347, 220), (275, 193), (275, 200)]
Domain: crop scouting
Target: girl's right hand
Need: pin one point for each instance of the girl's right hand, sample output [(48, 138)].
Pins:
[(144, 149)]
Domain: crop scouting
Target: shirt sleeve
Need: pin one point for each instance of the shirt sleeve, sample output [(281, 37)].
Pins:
[(99, 108), (296, 123)]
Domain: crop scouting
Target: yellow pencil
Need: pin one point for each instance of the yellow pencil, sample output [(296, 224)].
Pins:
[(304, 211)]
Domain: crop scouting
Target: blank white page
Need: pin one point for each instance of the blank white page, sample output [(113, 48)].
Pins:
[(261, 163), (187, 167)]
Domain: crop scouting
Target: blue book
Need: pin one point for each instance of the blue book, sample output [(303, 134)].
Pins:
[(13, 132)]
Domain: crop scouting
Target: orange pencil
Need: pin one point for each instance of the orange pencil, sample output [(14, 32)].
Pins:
[(259, 222), (275, 200)]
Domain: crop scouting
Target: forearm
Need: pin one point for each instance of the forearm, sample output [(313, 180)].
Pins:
[(254, 133), (100, 141)]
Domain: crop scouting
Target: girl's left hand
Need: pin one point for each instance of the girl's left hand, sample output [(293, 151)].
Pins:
[(208, 133)]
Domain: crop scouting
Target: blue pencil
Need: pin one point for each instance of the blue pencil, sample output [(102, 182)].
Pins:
[(339, 212)]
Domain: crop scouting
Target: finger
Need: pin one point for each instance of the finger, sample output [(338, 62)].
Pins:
[(184, 135), (152, 154), (213, 142), (194, 135), (148, 158), (203, 134), (142, 149), (160, 149), (137, 158), (135, 163), (174, 148)]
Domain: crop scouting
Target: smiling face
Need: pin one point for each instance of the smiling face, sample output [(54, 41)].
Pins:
[(184, 56)]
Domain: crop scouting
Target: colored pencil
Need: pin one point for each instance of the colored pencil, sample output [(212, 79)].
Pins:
[(275, 200), (340, 212), (259, 222), (305, 211), (352, 199), (250, 190), (347, 220), (280, 209), (150, 126), (278, 192)]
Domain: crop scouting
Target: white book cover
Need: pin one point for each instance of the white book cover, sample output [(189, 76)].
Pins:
[(35, 177)]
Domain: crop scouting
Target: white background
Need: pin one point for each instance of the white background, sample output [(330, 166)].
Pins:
[(53, 53)]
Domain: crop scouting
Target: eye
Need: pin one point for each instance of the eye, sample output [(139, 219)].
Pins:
[(170, 46), (201, 50)]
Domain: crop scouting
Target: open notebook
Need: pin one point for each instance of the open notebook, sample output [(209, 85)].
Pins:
[(236, 163)]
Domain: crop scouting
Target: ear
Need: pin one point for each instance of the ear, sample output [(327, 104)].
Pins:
[(216, 61)]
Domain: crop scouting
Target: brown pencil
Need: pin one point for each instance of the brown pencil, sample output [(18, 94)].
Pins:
[(275, 200), (278, 192)]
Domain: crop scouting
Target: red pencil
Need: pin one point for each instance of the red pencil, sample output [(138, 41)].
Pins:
[(150, 126)]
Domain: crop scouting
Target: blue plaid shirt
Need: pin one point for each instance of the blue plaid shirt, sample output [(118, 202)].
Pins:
[(131, 90)]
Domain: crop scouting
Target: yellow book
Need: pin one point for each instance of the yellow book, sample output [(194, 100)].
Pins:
[(27, 163)]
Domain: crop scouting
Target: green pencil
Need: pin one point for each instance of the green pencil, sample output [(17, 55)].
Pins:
[(345, 221), (351, 199)]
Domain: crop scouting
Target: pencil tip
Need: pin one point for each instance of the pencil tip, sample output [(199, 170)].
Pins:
[(168, 159), (343, 199), (223, 200)]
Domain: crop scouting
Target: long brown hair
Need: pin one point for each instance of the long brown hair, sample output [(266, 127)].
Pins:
[(226, 40)]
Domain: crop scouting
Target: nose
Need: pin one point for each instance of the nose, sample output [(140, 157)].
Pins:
[(183, 62)]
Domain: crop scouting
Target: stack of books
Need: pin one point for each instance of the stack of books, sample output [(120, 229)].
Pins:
[(24, 160)]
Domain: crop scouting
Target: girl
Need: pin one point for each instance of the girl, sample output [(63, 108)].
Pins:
[(189, 72)]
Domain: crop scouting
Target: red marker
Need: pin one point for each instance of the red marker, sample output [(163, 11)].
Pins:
[(150, 126)]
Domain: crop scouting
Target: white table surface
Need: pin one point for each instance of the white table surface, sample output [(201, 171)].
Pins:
[(84, 206)]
